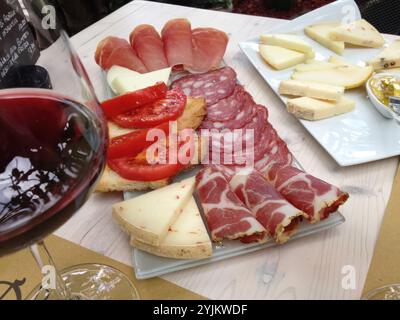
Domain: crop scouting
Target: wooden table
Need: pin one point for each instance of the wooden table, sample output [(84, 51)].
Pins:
[(309, 268)]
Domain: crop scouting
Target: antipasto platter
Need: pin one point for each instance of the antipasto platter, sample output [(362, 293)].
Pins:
[(241, 189)]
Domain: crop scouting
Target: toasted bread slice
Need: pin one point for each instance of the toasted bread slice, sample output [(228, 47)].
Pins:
[(193, 115)]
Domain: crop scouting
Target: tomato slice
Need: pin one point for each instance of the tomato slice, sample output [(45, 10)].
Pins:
[(129, 169), (135, 99), (131, 144), (169, 108), (138, 169)]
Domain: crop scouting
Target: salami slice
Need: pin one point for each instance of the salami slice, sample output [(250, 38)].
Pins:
[(213, 86), (270, 208), (228, 108), (226, 215)]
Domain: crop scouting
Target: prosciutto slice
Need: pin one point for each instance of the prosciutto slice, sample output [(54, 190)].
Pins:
[(149, 47), (311, 195), (226, 216), (209, 46), (115, 51), (272, 210), (177, 37)]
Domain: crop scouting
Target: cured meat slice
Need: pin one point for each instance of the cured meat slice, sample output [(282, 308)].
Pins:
[(177, 37), (149, 47), (227, 108), (311, 195), (272, 210), (115, 51), (213, 86), (247, 111), (226, 216), (209, 46)]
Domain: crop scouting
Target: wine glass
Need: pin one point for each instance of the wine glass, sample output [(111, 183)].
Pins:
[(53, 146)]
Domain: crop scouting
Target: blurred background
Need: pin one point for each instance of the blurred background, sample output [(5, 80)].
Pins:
[(79, 14)]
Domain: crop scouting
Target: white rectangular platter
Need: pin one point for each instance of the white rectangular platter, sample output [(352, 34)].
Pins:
[(148, 266), (360, 136)]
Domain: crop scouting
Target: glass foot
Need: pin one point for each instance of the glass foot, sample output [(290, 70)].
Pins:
[(91, 282), (390, 292)]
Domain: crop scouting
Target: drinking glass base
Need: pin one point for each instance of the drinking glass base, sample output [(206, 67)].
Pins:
[(91, 282), (390, 292)]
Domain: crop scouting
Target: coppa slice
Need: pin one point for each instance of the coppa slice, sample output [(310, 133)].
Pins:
[(316, 198), (271, 209), (209, 47), (187, 238), (148, 217), (113, 51), (281, 58), (320, 33), (359, 33), (148, 45), (213, 86), (177, 37), (227, 217)]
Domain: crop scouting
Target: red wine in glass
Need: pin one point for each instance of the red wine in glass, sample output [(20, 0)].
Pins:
[(51, 154)]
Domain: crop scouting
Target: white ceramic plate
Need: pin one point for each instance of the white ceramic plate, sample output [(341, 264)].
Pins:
[(357, 137)]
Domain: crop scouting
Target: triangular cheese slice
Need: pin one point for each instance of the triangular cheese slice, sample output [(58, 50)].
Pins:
[(187, 238), (320, 33), (149, 216), (281, 58), (389, 58), (360, 33), (288, 41)]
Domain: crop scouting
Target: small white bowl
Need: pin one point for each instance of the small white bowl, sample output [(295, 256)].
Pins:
[(383, 109)]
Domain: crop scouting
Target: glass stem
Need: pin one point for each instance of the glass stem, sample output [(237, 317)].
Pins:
[(55, 281)]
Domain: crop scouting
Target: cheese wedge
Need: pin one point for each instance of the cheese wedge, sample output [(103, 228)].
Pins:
[(186, 239), (281, 58), (320, 33), (348, 76), (313, 109), (313, 65), (359, 33), (311, 89), (288, 41), (148, 217), (117, 71), (388, 58), (123, 81)]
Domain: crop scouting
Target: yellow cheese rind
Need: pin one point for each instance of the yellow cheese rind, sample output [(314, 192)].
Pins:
[(288, 41), (187, 238), (320, 33), (125, 82), (348, 76), (149, 216), (281, 58), (314, 109), (359, 33), (389, 58), (311, 89)]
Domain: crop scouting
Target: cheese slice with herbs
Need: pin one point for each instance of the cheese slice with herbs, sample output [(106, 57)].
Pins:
[(315, 109), (389, 58), (311, 89), (359, 33), (187, 238), (281, 58), (148, 217), (320, 33)]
